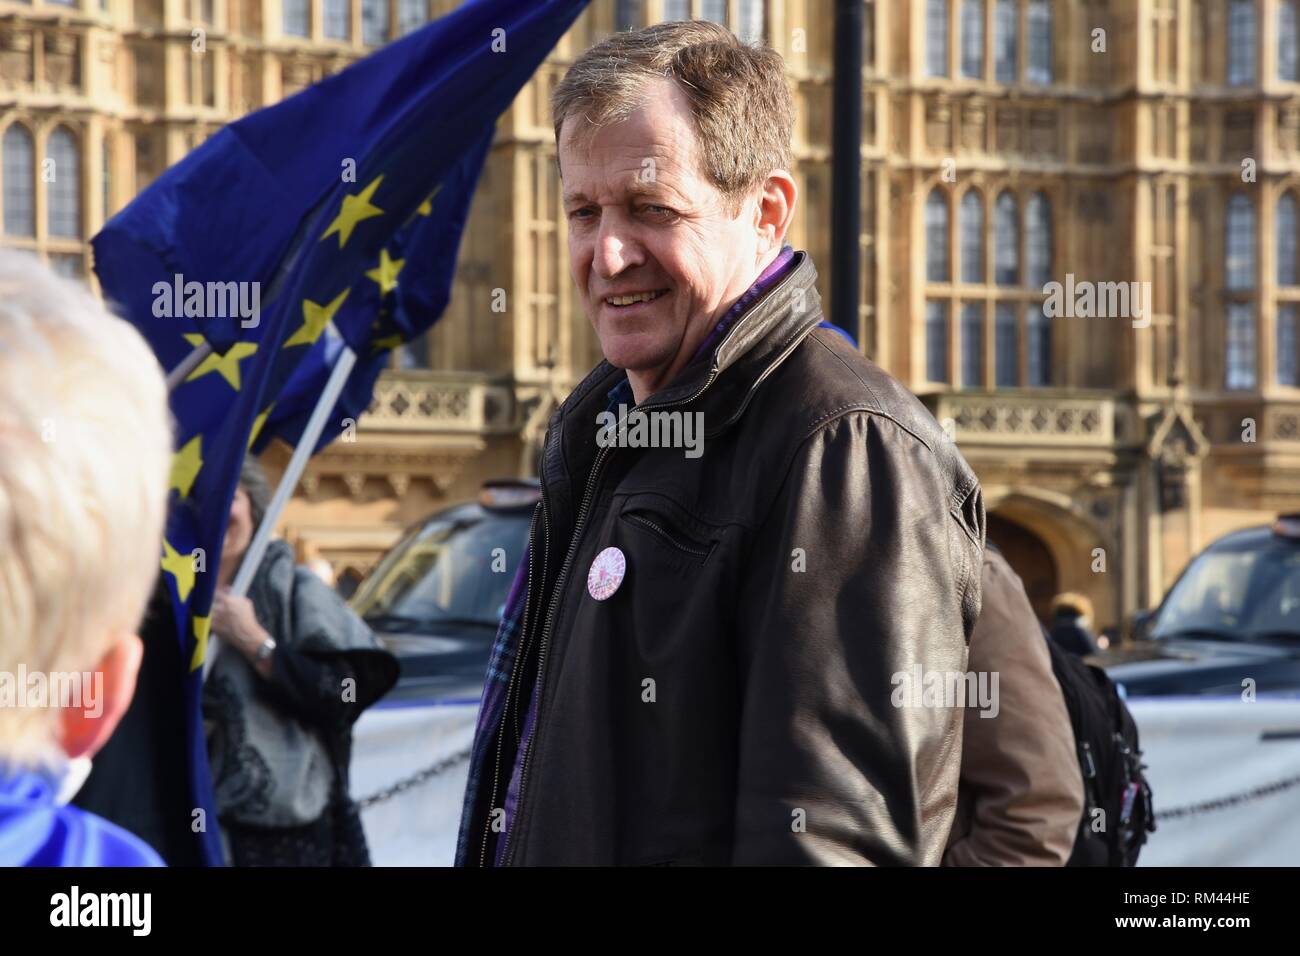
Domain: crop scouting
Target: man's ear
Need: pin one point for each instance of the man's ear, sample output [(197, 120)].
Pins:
[(775, 211), (86, 725)]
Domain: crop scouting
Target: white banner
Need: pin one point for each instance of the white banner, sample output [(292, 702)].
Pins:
[(1197, 751), (1222, 751), (417, 826)]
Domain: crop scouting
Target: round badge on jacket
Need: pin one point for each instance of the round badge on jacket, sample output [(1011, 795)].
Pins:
[(606, 573)]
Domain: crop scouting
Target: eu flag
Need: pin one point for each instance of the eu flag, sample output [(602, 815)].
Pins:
[(275, 229), (395, 302)]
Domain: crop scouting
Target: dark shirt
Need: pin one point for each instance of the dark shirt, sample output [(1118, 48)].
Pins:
[(1072, 636)]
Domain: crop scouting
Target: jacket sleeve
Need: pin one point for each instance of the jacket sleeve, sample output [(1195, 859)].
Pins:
[(1021, 792), (861, 575), (310, 687), (331, 668)]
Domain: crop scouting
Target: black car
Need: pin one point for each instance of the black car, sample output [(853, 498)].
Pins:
[(436, 598), (1230, 624)]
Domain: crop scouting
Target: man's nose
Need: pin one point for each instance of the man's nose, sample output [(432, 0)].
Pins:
[(616, 249)]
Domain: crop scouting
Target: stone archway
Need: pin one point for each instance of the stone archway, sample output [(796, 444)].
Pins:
[(1055, 546), (1030, 558)]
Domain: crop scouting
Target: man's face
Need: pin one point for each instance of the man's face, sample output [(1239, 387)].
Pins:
[(644, 221)]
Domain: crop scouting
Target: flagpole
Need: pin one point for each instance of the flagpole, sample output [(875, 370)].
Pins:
[(301, 453), (187, 365), (306, 447)]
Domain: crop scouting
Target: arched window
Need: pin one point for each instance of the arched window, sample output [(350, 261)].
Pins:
[(1288, 41), (751, 29), (1040, 348), (1284, 246), (1038, 25), (1241, 42), (972, 39), (1038, 241), (411, 15), (65, 189), (1288, 346), (296, 18), (1006, 36), (337, 19), (677, 9), (936, 38), (1239, 264), (936, 340), (1006, 346), (715, 10), (374, 22), (1239, 371), (106, 172), (1239, 316), (936, 237), (972, 345), (20, 207), (972, 237), (1006, 241), (627, 15)]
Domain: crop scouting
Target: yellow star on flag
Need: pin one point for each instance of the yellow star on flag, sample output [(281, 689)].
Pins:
[(181, 567), (186, 464), (382, 345), (314, 319), (386, 272), (257, 425), (227, 365), (355, 209), (202, 625)]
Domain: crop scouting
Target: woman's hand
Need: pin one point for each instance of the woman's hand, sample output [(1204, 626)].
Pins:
[(235, 622)]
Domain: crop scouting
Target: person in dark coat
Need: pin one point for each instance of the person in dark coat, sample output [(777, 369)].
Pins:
[(1072, 624), (138, 780), (289, 670)]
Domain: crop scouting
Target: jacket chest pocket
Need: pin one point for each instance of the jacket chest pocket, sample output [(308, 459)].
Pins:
[(657, 526)]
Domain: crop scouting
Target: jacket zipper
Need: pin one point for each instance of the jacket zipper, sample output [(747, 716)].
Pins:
[(647, 523), (507, 857)]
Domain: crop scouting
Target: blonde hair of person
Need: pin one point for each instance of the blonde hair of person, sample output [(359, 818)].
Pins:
[(85, 452), (1072, 601)]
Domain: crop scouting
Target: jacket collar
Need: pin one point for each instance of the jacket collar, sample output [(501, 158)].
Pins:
[(757, 341)]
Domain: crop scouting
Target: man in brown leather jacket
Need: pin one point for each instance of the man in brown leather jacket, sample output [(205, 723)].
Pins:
[(1021, 792), (749, 534)]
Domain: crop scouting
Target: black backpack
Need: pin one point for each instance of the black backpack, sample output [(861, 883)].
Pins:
[(1111, 760)]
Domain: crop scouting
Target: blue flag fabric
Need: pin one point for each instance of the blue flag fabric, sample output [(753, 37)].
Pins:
[(256, 241), (397, 301)]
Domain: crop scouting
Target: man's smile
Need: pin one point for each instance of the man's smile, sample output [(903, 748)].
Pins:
[(633, 298)]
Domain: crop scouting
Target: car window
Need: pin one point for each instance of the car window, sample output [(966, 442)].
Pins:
[(1236, 592), (450, 571), (1275, 597)]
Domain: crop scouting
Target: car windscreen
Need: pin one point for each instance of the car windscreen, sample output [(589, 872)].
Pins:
[(1237, 591), (449, 572)]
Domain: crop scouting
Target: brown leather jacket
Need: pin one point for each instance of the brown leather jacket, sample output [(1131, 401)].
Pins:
[(1021, 793), (731, 701)]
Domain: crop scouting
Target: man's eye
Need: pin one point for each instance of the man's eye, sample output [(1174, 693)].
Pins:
[(659, 210), (579, 213)]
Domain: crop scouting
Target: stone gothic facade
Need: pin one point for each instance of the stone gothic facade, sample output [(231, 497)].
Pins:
[(1079, 245)]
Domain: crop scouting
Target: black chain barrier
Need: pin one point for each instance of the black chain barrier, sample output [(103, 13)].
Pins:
[(1223, 803), (414, 780)]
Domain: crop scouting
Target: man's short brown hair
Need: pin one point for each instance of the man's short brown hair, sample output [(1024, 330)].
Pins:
[(744, 115)]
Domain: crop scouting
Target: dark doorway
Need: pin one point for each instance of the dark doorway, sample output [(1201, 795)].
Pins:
[(1027, 554)]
